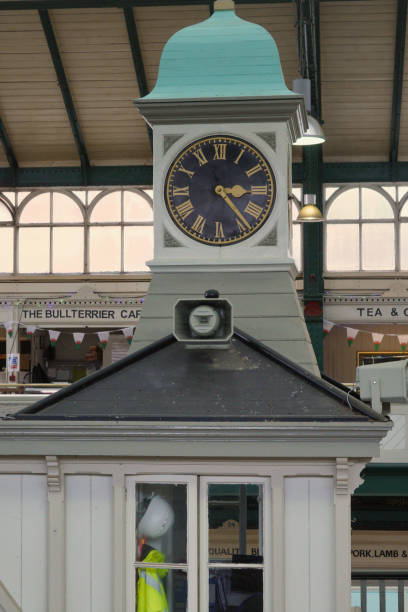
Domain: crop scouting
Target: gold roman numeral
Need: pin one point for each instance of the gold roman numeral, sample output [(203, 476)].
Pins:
[(198, 224), (181, 191), (189, 173), (253, 170), (241, 226), (259, 189), (253, 209), (185, 209), (220, 151), (200, 157), (240, 154), (219, 230)]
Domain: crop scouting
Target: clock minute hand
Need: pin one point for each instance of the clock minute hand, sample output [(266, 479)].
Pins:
[(220, 190)]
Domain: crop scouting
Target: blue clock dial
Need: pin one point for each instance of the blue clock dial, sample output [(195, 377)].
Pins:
[(219, 190)]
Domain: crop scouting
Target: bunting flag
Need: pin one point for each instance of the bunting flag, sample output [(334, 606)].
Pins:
[(30, 330), (78, 337), (54, 335), (103, 338), (327, 326), (351, 334), (128, 333), (377, 339), (9, 328), (403, 340)]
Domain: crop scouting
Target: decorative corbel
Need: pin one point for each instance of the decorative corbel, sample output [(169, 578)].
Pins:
[(53, 474), (342, 476)]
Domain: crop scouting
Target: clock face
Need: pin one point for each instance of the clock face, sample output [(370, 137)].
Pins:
[(219, 190)]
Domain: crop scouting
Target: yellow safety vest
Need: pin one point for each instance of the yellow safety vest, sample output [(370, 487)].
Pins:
[(151, 596)]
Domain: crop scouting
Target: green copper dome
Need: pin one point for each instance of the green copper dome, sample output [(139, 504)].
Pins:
[(223, 56)]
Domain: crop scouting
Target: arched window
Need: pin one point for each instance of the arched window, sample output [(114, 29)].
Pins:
[(120, 231), (50, 233), (6, 234), (360, 229)]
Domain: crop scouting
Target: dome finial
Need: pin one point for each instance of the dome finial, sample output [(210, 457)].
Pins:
[(224, 5)]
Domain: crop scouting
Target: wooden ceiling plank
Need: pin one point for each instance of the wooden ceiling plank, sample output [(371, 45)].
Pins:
[(66, 94)]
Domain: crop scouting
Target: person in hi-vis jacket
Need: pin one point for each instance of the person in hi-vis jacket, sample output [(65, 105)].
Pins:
[(156, 521)]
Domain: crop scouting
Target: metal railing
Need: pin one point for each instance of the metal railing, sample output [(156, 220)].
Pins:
[(380, 592)]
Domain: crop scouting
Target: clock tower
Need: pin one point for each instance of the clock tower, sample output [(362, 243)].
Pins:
[(223, 125)]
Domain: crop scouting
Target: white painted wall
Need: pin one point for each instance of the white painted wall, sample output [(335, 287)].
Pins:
[(89, 544), (309, 545), (23, 539)]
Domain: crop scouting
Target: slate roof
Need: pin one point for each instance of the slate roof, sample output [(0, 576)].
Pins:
[(166, 381)]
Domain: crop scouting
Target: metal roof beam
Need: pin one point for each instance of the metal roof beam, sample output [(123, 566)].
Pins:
[(16, 5), (401, 28), (71, 176), (5, 141), (65, 91), (137, 58)]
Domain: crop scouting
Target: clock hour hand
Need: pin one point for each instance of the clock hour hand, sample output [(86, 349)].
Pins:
[(237, 191), (220, 190)]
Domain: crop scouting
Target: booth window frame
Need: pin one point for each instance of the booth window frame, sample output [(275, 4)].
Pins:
[(198, 564)]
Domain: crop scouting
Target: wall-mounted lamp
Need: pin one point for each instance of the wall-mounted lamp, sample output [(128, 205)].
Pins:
[(314, 134), (309, 213)]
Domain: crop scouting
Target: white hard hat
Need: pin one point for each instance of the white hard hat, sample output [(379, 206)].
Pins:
[(157, 520)]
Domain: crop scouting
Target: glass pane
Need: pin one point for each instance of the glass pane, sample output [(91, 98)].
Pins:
[(236, 589), (294, 210), (11, 196), (401, 191), (342, 248), (68, 249), (4, 213), (373, 599), (65, 210), (378, 246), (404, 210), (104, 249), (159, 590), (297, 192), (136, 208), (34, 249), (37, 210), (374, 205), (391, 596), (392, 191), (138, 247), (297, 245), (107, 209), (91, 195), (149, 192), (329, 192), (80, 195), (161, 522), (6, 249), (234, 517), (21, 195), (356, 594), (345, 206), (404, 246)]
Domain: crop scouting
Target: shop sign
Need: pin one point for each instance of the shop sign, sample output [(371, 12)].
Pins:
[(366, 313), (80, 314), (379, 550)]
